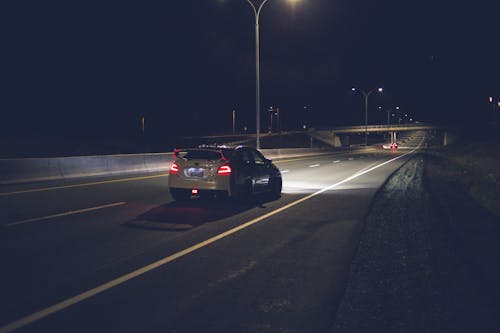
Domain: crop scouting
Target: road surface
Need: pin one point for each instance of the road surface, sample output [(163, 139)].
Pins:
[(118, 255)]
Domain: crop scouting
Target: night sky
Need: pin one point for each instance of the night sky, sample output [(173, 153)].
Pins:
[(87, 69)]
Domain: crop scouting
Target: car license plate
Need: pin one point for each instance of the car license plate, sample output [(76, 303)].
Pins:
[(195, 172)]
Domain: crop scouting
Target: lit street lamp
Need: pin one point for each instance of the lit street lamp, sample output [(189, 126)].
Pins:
[(367, 95), (257, 10)]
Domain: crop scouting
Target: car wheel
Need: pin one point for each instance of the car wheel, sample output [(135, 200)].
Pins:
[(180, 195)]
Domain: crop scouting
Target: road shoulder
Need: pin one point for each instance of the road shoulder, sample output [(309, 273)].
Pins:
[(424, 262)]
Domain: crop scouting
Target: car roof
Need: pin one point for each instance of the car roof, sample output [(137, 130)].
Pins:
[(219, 147)]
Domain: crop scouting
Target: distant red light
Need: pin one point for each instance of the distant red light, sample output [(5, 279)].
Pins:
[(224, 170), (194, 191), (174, 169)]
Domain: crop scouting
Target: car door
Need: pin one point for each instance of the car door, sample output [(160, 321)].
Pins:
[(246, 170), (263, 171)]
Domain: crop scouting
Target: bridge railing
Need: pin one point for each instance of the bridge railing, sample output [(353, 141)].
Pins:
[(381, 128)]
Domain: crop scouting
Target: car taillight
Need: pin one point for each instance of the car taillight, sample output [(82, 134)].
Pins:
[(174, 168), (224, 170)]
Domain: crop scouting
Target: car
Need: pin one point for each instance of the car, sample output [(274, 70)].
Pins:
[(223, 172)]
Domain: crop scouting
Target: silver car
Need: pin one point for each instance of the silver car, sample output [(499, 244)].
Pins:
[(223, 172)]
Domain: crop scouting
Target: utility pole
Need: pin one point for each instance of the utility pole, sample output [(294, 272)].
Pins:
[(234, 122), (278, 127), (271, 116)]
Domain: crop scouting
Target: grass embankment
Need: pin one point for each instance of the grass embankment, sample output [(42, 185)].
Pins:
[(474, 168)]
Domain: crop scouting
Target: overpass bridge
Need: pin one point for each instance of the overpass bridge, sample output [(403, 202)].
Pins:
[(334, 136), (383, 128), (338, 136)]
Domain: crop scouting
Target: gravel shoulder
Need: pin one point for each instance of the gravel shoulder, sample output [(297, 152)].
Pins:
[(428, 259)]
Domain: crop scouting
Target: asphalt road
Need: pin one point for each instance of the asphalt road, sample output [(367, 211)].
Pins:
[(117, 255)]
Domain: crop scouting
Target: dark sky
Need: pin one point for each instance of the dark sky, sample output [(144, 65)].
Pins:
[(94, 68)]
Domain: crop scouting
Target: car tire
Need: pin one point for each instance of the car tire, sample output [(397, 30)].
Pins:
[(180, 194)]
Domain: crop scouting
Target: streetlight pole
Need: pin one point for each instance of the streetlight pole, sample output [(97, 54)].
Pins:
[(271, 116), (257, 11), (494, 103), (388, 115), (389, 118), (234, 121), (367, 95), (366, 114), (278, 127)]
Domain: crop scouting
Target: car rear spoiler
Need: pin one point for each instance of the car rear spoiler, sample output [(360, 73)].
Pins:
[(178, 151)]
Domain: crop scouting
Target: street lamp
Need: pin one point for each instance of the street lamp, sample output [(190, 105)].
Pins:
[(389, 114), (257, 10), (366, 95), (494, 103)]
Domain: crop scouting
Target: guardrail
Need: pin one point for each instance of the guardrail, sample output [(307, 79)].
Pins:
[(23, 170)]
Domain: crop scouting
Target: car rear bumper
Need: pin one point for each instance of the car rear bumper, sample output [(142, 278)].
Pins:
[(220, 184)]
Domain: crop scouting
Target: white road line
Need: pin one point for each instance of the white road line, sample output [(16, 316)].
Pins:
[(284, 171), (337, 161), (314, 165), (81, 185), (71, 212), (124, 278)]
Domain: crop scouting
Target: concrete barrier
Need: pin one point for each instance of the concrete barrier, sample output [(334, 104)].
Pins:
[(40, 169), (25, 170), (292, 152)]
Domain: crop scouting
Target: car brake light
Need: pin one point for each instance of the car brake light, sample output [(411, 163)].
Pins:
[(174, 169), (194, 191), (224, 170)]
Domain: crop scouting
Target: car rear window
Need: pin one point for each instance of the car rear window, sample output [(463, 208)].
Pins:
[(201, 154)]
